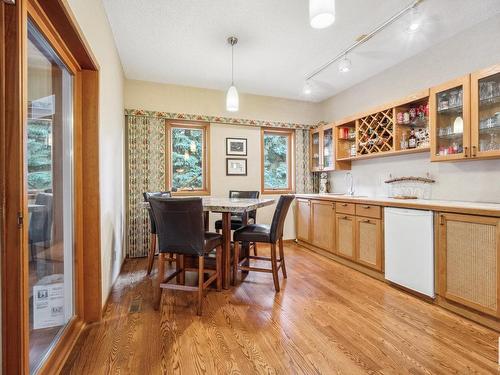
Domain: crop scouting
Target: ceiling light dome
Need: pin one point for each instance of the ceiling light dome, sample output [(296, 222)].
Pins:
[(414, 23), (232, 97), (321, 13), (307, 88)]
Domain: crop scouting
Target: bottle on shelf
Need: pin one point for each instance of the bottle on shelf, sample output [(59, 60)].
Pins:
[(412, 140), (404, 141)]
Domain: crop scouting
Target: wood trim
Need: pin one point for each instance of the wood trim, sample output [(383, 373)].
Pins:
[(14, 238), (205, 126), (91, 272), (60, 353), (290, 133)]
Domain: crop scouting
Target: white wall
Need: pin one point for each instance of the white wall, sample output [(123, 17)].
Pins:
[(466, 52), (94, 24)]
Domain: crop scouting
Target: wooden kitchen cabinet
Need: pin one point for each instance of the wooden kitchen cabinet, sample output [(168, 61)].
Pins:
[(468, 261), (369, 242), (303, 219), (485, 113), (449, 110), (323, 224), (322, 150), (345, 235)]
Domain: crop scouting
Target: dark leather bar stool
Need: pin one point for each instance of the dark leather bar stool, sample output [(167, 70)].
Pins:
[(180, 230), (265, 234), (152, 227), (237, 220)]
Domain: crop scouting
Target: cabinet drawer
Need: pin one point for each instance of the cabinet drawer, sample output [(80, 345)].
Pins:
[(367, 210), (345, 208)]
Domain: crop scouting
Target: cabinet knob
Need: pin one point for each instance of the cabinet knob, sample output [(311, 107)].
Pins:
[(473, 151), (366, 207), (466, 152), (344, 205), (366, 220)]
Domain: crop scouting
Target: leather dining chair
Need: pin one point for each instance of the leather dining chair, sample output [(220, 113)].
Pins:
[(271, 234), (237, 220), (180, 230), (152, 227)]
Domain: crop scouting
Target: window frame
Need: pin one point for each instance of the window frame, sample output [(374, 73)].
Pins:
[(205, 126), (290, 133)]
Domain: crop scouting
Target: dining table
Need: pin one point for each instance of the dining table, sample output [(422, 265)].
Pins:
[(228, 207)]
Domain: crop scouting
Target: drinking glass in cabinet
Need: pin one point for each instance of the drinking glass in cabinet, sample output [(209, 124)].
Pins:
[(449, 122), (328, 148), (489, 113), (315, 150)]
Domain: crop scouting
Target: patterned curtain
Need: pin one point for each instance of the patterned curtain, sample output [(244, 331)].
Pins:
[(146, 172), (305, 181)]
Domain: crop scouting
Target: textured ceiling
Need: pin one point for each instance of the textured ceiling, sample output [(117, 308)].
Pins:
[(184, 41)]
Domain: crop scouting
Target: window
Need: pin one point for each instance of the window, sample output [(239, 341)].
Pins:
[(188, 164), (277, 161)]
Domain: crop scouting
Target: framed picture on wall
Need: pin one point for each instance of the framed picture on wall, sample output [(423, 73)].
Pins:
[(236, 146), (236, 167)]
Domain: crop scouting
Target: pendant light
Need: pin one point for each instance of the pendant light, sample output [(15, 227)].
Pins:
[(321, 13), (344, 65), (232, 98)]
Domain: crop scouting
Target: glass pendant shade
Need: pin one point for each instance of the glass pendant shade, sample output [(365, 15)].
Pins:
[(232, 99), (321, 13)]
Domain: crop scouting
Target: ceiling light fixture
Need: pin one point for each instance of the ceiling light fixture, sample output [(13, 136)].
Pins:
[(344, 65), (414, 23), (365, 38), (232, 98), (307, 88), (321, 13)]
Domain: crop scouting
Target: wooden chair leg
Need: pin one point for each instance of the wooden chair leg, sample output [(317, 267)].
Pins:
[(255, 248), (218, 267), (201, 266), (170, 257), (236, 261), (282, 257), (151, 253), (182, 276), (274, 266), (159, 279)]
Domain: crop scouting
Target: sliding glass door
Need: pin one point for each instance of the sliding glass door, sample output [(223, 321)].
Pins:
[(49, 161)]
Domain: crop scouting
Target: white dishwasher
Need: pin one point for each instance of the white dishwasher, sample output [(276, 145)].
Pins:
[(409, 249)]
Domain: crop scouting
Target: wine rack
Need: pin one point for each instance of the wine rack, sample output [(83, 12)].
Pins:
[(376, 133)]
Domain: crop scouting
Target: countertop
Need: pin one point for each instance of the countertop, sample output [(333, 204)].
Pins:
[(476, 208)]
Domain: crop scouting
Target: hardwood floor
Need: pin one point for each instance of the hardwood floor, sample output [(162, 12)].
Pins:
[(327, 319)]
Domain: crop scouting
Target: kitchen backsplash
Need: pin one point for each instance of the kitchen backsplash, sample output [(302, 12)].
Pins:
[(477, 180)]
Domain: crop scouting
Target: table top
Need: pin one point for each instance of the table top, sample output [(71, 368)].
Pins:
[(216, 204)]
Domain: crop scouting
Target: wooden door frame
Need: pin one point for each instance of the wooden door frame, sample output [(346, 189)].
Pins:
[(55, 20)]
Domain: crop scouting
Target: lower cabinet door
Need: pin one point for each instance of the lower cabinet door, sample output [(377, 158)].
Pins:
[(369, 242), (468, 256), (303, 219), (323, 224), (345, 234)]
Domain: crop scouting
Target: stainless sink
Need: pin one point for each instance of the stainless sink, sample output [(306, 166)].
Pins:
[(346, 195)]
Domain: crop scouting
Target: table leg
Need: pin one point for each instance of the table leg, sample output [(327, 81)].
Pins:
[(226, 249)]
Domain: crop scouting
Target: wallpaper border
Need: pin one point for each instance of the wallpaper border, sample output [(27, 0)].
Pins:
[(218, 119)]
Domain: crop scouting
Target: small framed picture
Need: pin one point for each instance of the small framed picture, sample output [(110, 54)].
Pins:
[(236, 146), (236, 167)]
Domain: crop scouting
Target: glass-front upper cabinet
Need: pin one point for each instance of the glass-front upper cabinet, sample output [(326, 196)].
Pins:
[(485, 112), (315, 150), (450, 120), (327, 148)]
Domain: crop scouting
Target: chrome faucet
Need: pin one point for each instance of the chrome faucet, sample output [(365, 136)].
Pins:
[(349, 181)]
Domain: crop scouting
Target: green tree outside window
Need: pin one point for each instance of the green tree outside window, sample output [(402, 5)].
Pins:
[(187, 158), (275, 161), (39, 155)]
